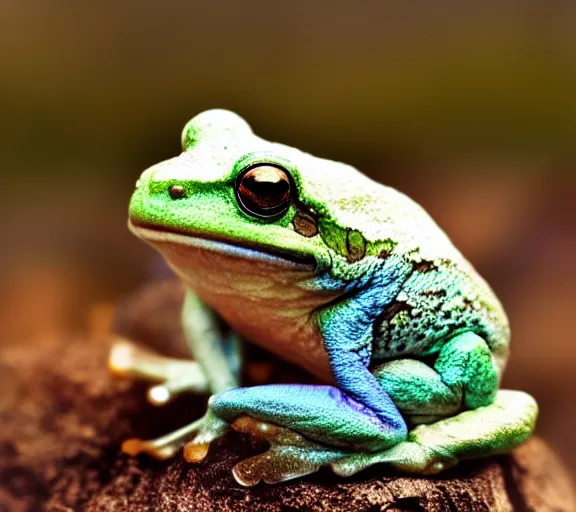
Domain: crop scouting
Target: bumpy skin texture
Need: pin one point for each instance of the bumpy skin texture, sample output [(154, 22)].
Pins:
[(351, 280)]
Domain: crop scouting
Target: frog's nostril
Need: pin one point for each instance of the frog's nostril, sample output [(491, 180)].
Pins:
[(176, 191)]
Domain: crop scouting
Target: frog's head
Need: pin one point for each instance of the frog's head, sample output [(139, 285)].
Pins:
[(230, 192)]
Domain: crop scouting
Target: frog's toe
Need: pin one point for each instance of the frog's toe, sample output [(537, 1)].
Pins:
[(136, 446), (195, 437), (195, 452), (276, 465), (163, 447), (269, 432), (289, 456)]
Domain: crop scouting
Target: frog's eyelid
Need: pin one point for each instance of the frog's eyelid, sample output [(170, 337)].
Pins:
[(263, 158)]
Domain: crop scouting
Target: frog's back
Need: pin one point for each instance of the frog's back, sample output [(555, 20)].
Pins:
[(441, 296), (439, 300)]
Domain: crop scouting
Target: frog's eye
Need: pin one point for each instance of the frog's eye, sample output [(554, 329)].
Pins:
[(264, 190)]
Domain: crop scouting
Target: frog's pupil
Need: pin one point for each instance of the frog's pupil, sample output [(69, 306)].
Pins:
[(265, 191)]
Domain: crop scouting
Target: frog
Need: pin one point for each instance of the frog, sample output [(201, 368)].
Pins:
[(345, 277)]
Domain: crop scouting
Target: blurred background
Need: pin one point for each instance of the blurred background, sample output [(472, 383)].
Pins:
[(470, 109)]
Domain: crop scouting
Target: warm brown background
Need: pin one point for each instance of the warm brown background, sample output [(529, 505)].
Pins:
[(470, 110)]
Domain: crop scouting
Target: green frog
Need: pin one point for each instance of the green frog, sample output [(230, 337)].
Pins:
[(334, 272)]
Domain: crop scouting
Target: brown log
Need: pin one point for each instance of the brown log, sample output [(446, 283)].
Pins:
[(63, 417)]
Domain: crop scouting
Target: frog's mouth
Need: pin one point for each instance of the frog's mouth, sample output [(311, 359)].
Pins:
[(223, 245)]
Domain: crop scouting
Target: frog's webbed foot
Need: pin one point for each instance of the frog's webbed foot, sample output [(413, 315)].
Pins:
[(196, 438), (172, 376), (290, 455)]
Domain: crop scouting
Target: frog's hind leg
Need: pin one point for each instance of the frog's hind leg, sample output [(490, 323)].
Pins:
[(485, 431), (308, 426), (459, 398)]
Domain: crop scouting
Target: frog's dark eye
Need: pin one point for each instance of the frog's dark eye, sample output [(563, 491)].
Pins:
[(264, 190), (176, 191)]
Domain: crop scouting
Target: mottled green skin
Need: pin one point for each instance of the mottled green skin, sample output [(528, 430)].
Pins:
[(357, 284), (440, 299)]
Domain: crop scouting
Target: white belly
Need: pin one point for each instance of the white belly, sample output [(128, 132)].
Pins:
[(259, 300)]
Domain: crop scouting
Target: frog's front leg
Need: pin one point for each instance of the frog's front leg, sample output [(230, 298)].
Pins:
[(219, 358), (215, 369), (170, 376), (216, 366)]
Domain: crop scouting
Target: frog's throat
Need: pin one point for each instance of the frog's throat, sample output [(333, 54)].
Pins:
[(236, 248)]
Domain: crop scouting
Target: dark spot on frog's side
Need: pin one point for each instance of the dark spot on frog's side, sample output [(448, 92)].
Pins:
[(393, 309), (434, 293), (424, 266), (388, 314)]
